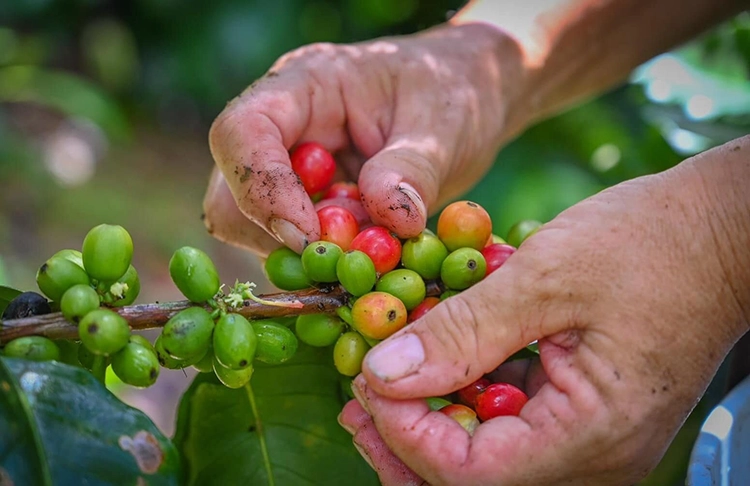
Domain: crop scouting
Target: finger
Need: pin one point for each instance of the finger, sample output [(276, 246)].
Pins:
[(465, 336), (250, 141), (535, 378), (225, 221), (353, 416)]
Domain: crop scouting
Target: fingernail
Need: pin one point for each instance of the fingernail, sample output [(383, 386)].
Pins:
[(288, 234), (346, 427), (416, 199), (364, 454), (396, 358), (359, 394)]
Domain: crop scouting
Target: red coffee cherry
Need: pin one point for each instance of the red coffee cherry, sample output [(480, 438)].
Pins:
[(349, 190), (381, 246), (337, 225), (464, 224), (500, 399), (468, 394), (425, 306), (495, 255), (314, 165)]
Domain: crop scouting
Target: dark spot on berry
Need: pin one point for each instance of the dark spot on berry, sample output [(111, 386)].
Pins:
[(93, 328), (320, 250), (471, 204), (153, 373), (471, 264), (243, 363), (391, 315), (43, 268)]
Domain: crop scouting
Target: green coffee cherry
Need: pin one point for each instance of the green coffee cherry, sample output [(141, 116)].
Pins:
[(78, 301), (34, 348), (234, 342), (168, 361), (233, 378), (74, 256), (194, 273), (276, 343), (424, 254), (141, 341), (107, 252), (136, 365), (130, 286), (449, 293), (463, 268), (284, 269), (57, 275), (206, 363), (86, 357), (348, 353), (436, 403), (405, 284), (345, 314), (319, 260), (188, 333), (521, 231), (319, 329), (356, 272), (104, 331)]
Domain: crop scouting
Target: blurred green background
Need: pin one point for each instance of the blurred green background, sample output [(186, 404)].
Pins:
[(105, 108)]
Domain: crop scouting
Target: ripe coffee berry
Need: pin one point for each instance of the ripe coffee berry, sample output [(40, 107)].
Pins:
[(495, 255), (337, 225), (462, 414), (464, 224), (314, 165), (381, 246), (500, 399), (349, 190), (26, 304), (425, 306), (468, 394), (377, 315)]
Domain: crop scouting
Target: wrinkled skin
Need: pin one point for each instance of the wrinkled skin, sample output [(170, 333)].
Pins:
[(632, 294)]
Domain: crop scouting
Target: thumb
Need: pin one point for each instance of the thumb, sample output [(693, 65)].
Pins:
[(397, 185), (459, 340)]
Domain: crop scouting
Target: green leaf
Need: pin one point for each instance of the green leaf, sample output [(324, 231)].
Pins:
[(6, 295), (21, 453), (88, 436), (279, 430)]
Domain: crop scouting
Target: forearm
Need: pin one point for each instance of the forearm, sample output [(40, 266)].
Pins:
[(573, 49)]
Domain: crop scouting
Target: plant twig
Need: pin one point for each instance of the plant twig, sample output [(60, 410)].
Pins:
[(151, 316)]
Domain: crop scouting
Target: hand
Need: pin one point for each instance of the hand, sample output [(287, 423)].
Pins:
[(415, 120), (634, 303)]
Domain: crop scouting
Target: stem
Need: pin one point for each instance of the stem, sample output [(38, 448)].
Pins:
[(99, 368), (151, 316)]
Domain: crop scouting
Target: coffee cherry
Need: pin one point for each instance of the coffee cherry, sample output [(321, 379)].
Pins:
[(314, 165), (464, 224), (130, 293), (468, 394), (136, 365), (381, 246), (206, 363), (86, 357), (73, 256), (141, 341), (34, 348), (26, 304), (319, 261), (348, 353), (463, 268), (377, 315), (423, 308), (232, 378), (337, 225), (276, 343), (194, 274), (424, 254), (354, 206), (462, 414), (284, 269), (522, 230), (349, 190), (57, 275), (405, 284), (188, 333), (449, 293), (170, 362), (107, 252), (496, 255), (319, 329), (234, 342), (103, 331), (494, 239), (500, 399), (356, 272), (436, 403), (78, 301)]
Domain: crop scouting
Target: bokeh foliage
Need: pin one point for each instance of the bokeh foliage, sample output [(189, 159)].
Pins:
[(126, 79)]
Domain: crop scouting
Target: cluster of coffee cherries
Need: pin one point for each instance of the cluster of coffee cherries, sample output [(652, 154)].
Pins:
[(388, 278), (85, 286)]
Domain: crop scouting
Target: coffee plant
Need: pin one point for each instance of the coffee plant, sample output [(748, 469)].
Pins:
[(275, 369)]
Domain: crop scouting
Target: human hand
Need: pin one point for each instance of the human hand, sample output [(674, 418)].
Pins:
[(415, 120), (635, 296)]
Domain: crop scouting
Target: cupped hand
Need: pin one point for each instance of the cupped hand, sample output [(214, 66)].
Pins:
[(415, 120), (630, 298)]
